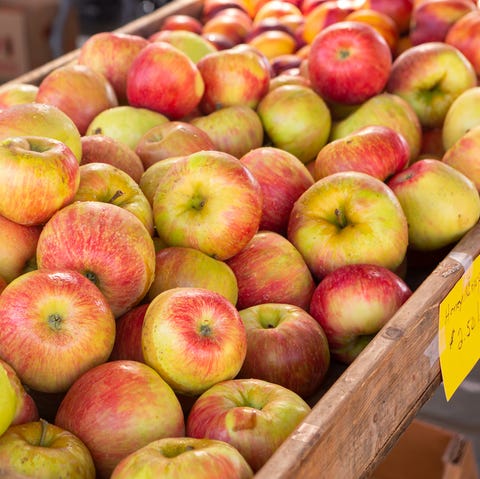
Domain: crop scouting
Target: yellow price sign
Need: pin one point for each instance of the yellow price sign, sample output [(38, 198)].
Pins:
[(459, 329)]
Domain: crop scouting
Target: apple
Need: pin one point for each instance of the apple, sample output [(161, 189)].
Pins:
[(463, 155), (194, 45), (377, 150), (106, 183), (178, 266), (275, 9), (26, 408), (182, 21), (441, 203), (8, 400), (16, 93), (235, 129), (41, 449), (40, 176), (173, 138), (253, 415), (295, 119), (234, 27), (431, 20), (111, 54), (462, 115), (349, 62), (269, 269), (283, 178), (287, 62), (399, 10), (348, 218), (385, 109), (463, 35), (210, 201), (173, 457), (194, 338), (107, 244), (38, 119), (429, 77), (18, 244), (213, 7), (70, 329), (353, 302), (273, 43), (106, 149), (285, 78), (118, 407), (272, 23), (79, 91), (286, 346), (220, 40), (125, 123), (233, 77), (164, 79)]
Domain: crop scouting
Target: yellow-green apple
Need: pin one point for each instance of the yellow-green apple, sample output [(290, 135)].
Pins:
[(349, 62), (164, 79), (40, 175), (377, 150), (151, 177), (16, 93), (384, 109), (79, 91), (18, 244), (107, 183), (210, 201), (182, 21), (353, 302), (173, 138), (173, 457), (194, 45), (38, 119), (461, 117), (348, 218), (441, 203), (40, 449), (235, 129), (179, 266), (233, 77), (8, 400), (106, 149), (269, 269), (431, 20), (399, 10), (125, 123), (111, 54), (26, 408), (253, 415), (286, 346), (283, 178), (295, 119), (107, 244), (118, 407), (194, 338), (62, 319), (430, 76), (464, 155), (273, 43), (463, 34)]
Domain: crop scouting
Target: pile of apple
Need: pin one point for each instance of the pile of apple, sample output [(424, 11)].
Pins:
[(195, 224)]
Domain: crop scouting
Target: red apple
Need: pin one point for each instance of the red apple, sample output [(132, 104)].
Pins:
[(164, 79), (269, 269), (182, 21), (79, 91), (194, 338), (286, 346), (353, 302), (70, 329), (106, 243), (399, 10), (253, 415), (111, 54), (283, 178), (117, 408)]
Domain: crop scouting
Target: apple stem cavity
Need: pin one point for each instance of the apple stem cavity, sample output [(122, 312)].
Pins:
[(205, 330), (55, 321), (198, 202), (92, 277), (341, 218)]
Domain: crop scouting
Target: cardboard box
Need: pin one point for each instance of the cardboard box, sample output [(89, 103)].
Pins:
[(26, 28), (428, 451)]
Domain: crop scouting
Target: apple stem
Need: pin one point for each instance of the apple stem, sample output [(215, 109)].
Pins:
[(342, 220), (43, 436), (117, 194)]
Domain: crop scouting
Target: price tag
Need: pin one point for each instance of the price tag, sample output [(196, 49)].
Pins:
[(459, 329)]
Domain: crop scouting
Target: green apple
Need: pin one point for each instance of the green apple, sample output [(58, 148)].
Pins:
[(125, 123), (8, 401), (441, 204)]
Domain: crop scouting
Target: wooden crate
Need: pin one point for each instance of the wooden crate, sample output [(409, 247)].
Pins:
[(362, 410)]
